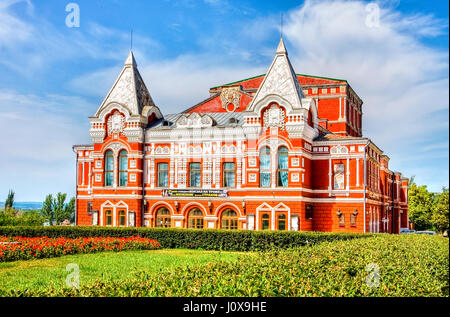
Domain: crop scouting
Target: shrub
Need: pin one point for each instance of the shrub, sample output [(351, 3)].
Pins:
[(207, 239), (407, 265), (13, 217)]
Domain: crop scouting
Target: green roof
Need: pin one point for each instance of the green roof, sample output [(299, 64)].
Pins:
[(304, 75)]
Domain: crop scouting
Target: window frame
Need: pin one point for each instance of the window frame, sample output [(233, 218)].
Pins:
[(120, 170), (196, 219), (280, 170), (158, 174), (228, 170), (285, 220), (199, 170), (109, 157), (262, 219), (108, 214), (229, 220), (266, 170), (166, 217), (122, 214)]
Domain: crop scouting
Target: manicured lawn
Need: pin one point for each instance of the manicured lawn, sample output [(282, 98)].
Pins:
[(39, 275), (381, 265)]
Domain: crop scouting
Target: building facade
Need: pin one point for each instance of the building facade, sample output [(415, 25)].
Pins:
[(279, 151)]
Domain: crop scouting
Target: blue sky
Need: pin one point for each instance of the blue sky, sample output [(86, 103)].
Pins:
[(53, 77)]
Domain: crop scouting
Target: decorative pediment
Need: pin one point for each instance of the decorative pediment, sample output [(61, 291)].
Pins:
[(194, 120)]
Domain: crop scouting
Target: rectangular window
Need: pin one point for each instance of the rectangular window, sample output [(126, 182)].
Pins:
[(229, 175), (109, 169), (309, 212), (283, 167), (163, 175), (265, 173), (108, 218), (265, 222), (195, 175), (123, 169), (339, 177)]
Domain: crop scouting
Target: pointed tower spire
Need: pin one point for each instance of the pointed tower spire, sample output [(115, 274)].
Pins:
[(280, 80), (281, 49), (129, 90), (130, 61)]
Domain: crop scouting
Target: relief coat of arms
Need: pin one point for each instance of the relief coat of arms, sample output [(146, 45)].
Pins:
[(274, 117), (115, 123), (230, 97)]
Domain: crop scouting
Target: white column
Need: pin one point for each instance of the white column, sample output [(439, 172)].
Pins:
[(273, 219), (357, 172), (330, 184), (348, 174)]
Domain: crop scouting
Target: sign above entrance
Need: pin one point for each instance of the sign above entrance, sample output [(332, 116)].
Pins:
[(194, 193)]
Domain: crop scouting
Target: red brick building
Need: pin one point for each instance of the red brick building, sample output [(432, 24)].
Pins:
[(279, 151)]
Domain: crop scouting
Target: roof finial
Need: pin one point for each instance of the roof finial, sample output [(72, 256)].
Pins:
[(131, 40), (281, 25)]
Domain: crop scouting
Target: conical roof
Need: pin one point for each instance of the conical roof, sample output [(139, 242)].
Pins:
[(280, 80), (129, 89)]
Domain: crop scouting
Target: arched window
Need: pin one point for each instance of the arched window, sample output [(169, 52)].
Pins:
[(163, 218), (109, 168), (283, 167), (108, 218), (264, 167), (122, 218), (229, 219), (281, 222), (123, 168), (265, 221), (195, 219)]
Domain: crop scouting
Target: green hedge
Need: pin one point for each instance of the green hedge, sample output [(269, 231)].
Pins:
[(231, 240)]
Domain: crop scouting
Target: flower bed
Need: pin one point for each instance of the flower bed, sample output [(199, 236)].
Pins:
[(21, 248)]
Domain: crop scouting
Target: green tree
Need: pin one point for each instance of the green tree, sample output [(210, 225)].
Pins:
[(71, 210), (9, 203), (56, 210), (62, 210), (440, 217), (421, 205), (47, 209)]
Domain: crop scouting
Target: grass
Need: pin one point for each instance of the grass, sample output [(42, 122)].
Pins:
[(406, 266), (39, 275)]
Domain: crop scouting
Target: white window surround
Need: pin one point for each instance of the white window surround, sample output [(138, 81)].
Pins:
[(109, 205)]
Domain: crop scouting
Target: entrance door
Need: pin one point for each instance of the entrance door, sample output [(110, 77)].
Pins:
[(265, 221)]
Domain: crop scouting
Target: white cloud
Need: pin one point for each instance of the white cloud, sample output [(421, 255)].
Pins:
[(403, 82), (175, 85), (32, 44), (37, 136)]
